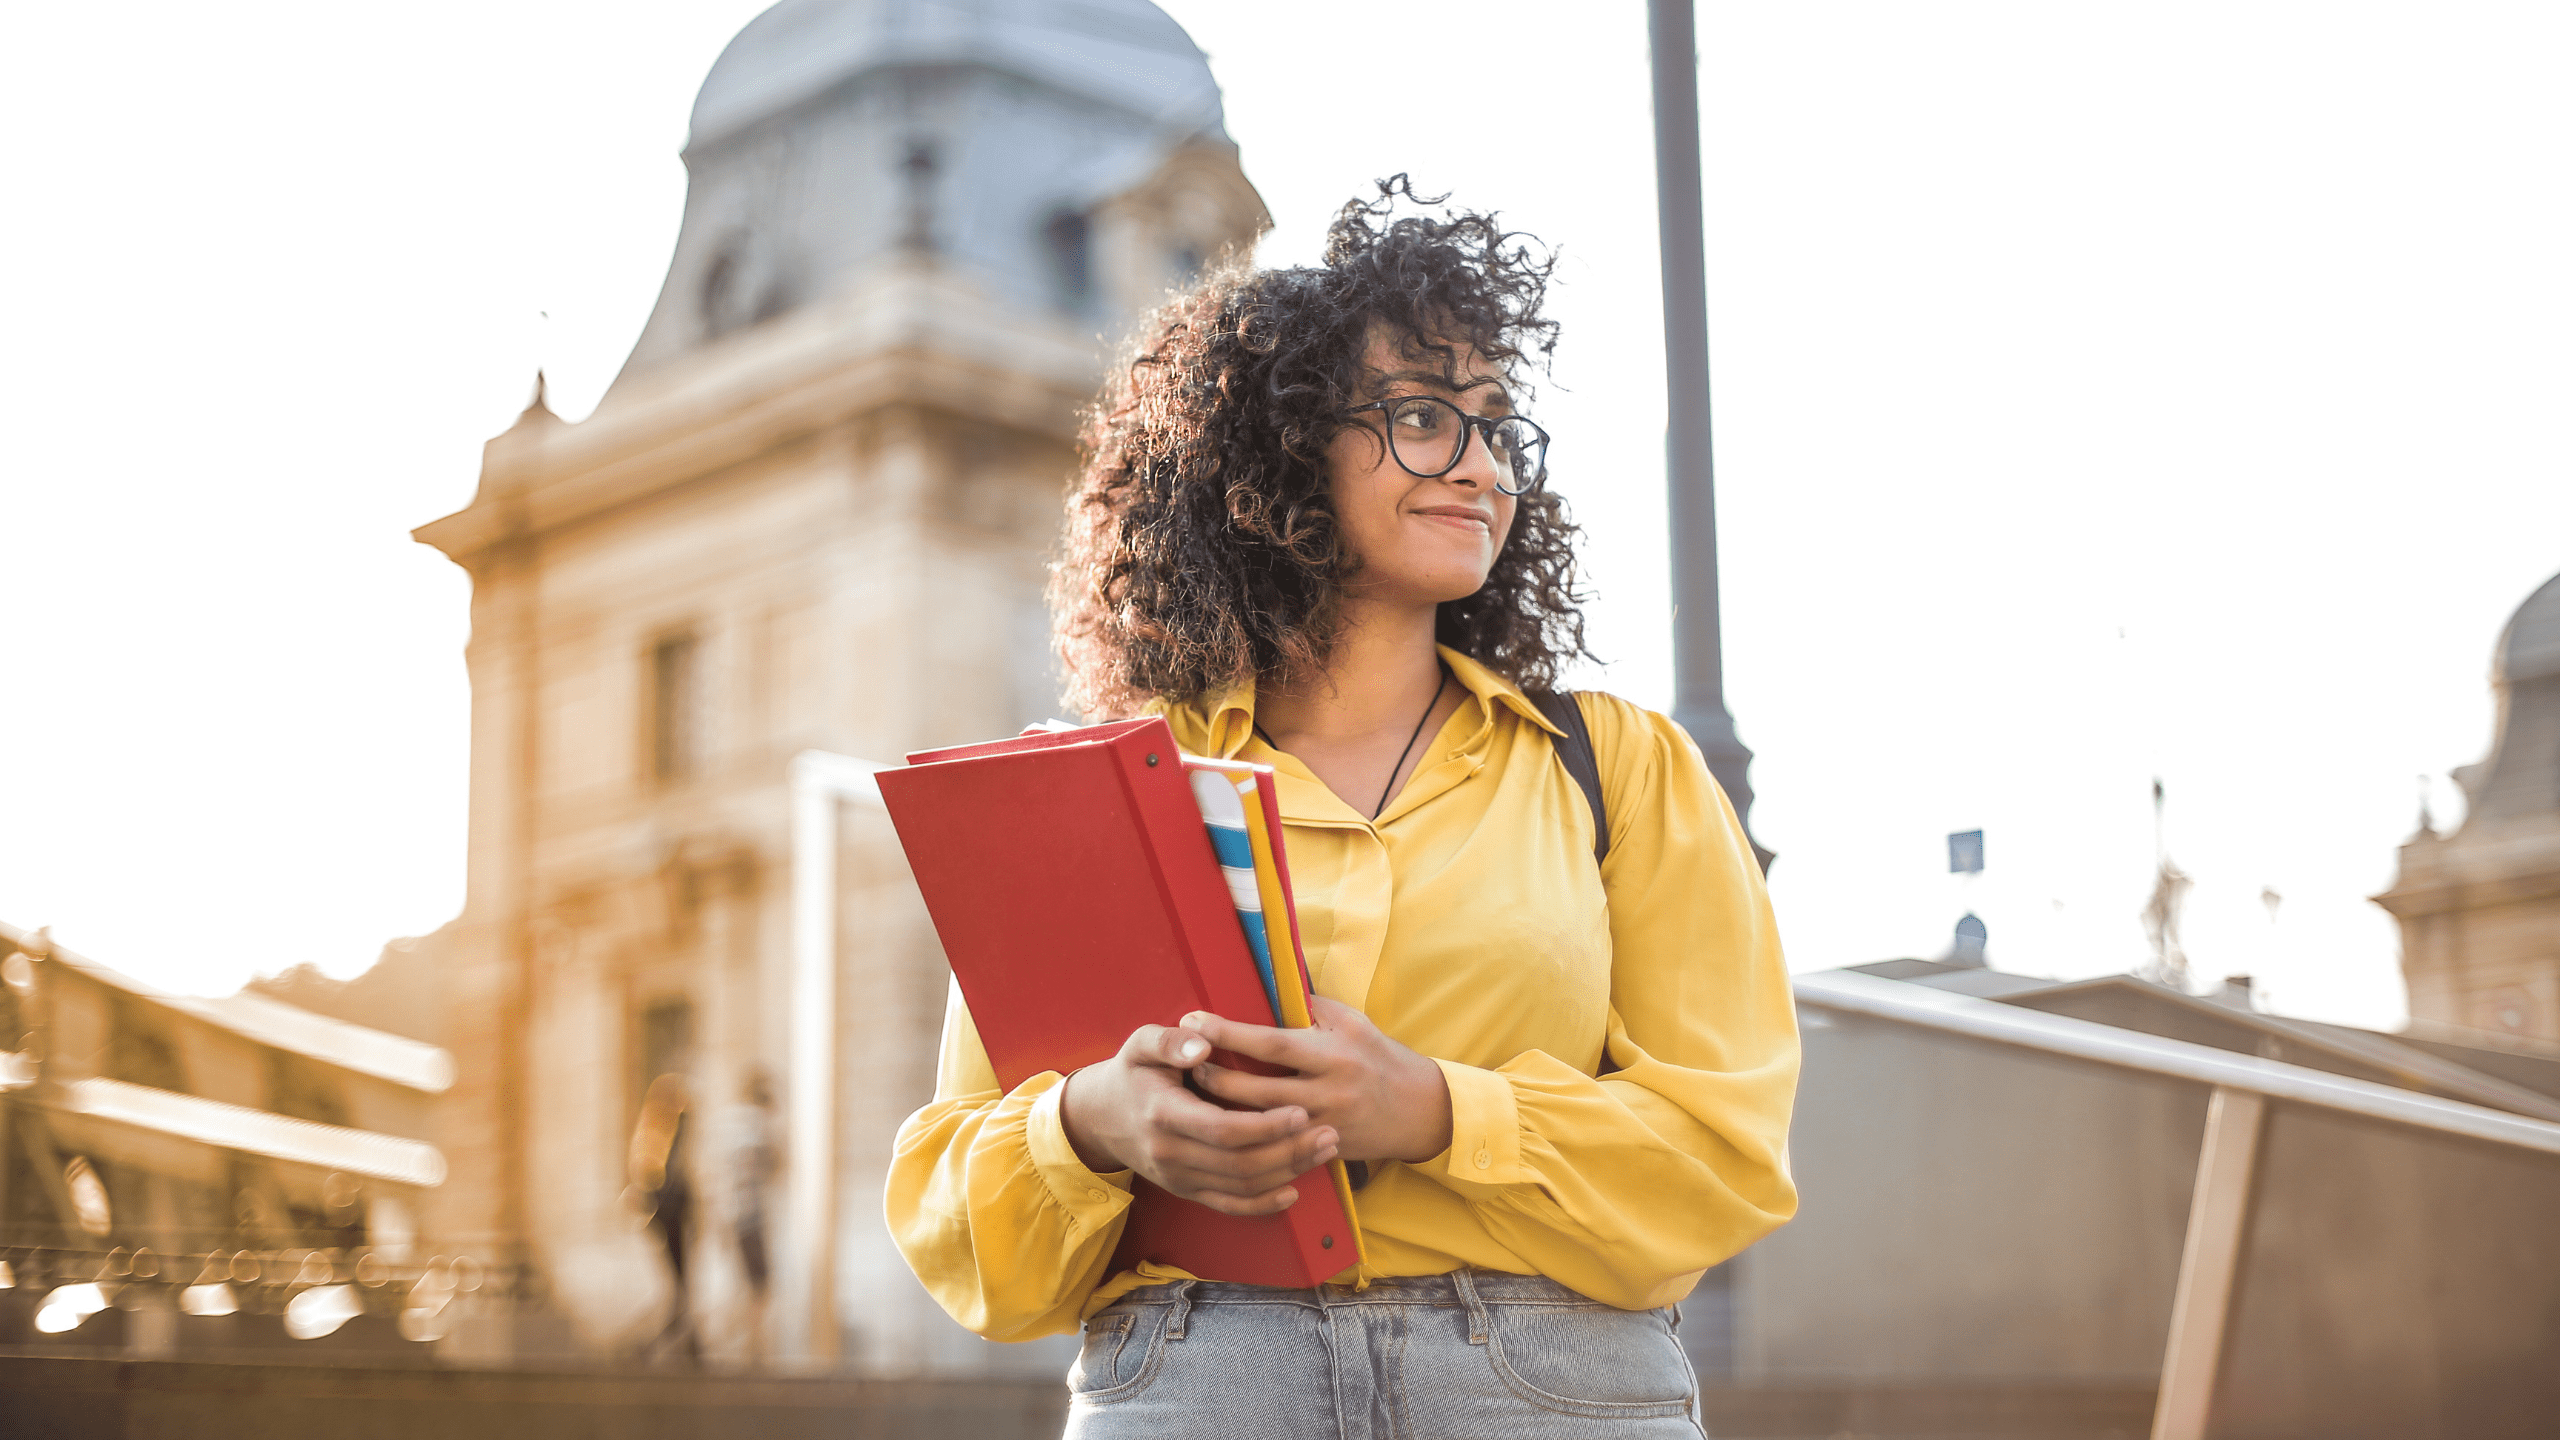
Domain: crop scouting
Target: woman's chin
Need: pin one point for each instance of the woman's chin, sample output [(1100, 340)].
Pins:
[(1466, 583), (1455, 589), (1412, 595), (1451, 575)]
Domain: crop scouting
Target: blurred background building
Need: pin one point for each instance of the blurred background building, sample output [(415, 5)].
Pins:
[(178, 1174), (2479, 909), (2111, 1206), (810, 514)]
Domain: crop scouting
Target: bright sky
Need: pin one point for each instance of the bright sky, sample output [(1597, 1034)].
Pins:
[(2101, 393)]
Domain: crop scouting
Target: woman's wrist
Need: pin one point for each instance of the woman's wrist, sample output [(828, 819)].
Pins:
[(1074, 1117), (1426, 1101)]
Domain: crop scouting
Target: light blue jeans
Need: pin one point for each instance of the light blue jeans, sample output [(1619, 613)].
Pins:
[(1468, 1356)]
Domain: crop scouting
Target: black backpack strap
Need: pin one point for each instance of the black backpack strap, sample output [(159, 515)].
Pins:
[(1580, 761)]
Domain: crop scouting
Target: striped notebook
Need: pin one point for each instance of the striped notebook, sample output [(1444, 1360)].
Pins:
[(1224, 794)]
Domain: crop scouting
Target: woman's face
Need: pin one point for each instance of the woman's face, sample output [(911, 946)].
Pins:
[(1419, 542)]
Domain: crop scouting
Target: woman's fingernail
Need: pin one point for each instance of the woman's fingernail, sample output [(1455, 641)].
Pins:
[(1288, 1198), (1194, 1049)]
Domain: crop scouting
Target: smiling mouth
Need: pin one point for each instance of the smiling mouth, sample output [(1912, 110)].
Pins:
[(1460, 517)]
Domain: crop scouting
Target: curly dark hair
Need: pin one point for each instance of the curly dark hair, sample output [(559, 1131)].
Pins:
[(1201, 545)]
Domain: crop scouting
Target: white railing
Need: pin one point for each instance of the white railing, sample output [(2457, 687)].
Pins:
[(1856, 994), (2226, 1169)]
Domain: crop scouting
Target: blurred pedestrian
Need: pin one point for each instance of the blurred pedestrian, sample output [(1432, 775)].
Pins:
[(660, 1179), (753, 1156)]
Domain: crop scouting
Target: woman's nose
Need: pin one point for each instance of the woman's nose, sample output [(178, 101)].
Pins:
[(1475, 466)]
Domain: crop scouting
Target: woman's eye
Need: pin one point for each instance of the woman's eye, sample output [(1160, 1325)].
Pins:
[(1419, 417)]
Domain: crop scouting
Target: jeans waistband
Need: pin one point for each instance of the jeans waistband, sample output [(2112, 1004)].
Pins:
[(1489, 1287)]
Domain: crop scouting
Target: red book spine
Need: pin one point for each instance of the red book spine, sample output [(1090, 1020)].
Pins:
[(1193, 889)]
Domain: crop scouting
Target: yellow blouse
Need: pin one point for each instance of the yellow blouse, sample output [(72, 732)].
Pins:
[(1619, 1040)]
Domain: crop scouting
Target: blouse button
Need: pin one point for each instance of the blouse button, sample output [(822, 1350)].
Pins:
[(1101, 1194), (1484, 1160)]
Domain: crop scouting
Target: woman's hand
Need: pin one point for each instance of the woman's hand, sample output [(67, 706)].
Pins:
[(1385, 1101), (1132, 1112)]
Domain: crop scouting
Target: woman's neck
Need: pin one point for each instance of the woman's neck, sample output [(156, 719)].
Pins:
[(1383, 669)]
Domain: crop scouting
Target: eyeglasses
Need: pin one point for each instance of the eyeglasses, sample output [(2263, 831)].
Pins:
[(1428, 437)]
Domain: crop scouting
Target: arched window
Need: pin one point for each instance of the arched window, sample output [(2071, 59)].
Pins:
[(1068, 238)]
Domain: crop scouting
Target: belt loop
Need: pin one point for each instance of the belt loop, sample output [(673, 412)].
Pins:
[(1479, 1325), (1181, 1322)]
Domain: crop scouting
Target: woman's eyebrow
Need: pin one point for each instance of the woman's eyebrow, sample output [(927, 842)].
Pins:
[(1435, 380)]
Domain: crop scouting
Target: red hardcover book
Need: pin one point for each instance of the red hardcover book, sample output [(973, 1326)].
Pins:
[(1071, 878)]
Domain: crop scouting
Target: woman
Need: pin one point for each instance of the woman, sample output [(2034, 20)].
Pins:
[(1311, 535)]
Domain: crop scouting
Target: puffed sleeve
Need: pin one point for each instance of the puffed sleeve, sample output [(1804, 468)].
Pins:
[(987, 1200), (1629, 1185)]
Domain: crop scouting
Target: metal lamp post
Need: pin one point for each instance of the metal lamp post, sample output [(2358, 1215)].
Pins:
[(1697, 619)]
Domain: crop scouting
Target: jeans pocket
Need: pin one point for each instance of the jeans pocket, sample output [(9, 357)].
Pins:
[(1589, 1360), (1119, 1355)]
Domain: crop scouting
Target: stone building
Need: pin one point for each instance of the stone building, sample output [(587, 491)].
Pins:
[(811, 513), (232, 1178), (2479, 909)]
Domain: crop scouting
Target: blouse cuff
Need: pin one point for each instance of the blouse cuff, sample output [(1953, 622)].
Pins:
[(1484, 1128), (1090, 1199)]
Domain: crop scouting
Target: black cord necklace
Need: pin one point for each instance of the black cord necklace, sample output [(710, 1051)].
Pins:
[(1436, 692), (1402, 755)]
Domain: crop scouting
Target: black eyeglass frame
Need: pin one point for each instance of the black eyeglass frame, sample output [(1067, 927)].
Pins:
[(1474, 425)]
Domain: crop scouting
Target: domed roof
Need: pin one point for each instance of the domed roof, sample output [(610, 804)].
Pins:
[(1126, 53), (2530, 649), (2521, 777), (833, 136)]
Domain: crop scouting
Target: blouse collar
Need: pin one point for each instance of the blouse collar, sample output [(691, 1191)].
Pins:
[(1221, 722)]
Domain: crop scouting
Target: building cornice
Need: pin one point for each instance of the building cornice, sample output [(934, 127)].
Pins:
[(2505, 864), (912, 334)]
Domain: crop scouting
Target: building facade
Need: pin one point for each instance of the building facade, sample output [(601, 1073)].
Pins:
[(812, 513), (215, 1179), (2479, 909)]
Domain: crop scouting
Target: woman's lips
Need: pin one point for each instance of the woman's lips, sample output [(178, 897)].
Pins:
[(1458, 515)]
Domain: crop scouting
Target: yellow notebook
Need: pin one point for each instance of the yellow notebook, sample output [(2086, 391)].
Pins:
[(1279, 908)]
